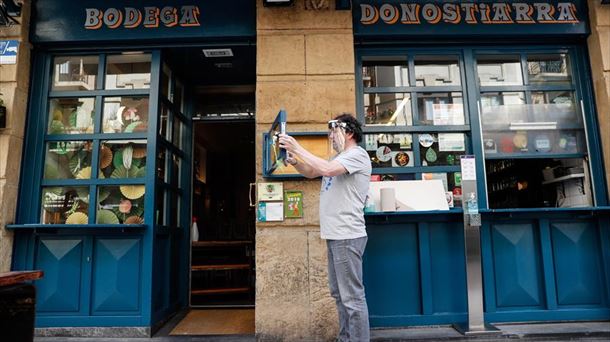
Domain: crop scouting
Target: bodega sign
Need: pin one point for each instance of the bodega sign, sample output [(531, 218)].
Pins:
[(482, 18), (142, 21), (148, 17)]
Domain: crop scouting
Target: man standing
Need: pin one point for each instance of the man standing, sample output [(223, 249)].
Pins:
[(345, 185)]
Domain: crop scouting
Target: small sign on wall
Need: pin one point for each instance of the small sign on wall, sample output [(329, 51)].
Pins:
[(293, 204), (8, 51), (270, 192), (270, 211)]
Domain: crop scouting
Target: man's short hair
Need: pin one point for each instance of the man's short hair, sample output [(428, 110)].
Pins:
[(353, 126)]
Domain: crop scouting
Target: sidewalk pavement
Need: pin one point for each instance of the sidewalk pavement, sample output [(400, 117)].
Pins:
[(568, 331)]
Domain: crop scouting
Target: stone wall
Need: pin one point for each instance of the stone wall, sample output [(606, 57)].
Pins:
[(14, 86), (305, 64), (599, 52)]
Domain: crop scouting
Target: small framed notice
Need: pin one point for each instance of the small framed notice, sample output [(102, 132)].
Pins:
[(270, 192), (293, 204), (270, 211)]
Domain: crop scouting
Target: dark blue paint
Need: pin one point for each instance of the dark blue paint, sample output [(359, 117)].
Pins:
[(63, 21)]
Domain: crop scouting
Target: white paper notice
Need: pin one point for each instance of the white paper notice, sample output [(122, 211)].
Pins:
[(469, 170), (275, 211), (451, 142)]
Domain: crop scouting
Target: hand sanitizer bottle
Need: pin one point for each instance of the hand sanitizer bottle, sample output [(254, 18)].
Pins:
[(194, 230), (472, 206)]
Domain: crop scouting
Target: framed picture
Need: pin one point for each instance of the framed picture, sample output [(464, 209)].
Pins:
[(293, 204)]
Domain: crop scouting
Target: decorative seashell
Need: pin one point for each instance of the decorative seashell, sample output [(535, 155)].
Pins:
[(127, 157), (85, 173), (105, 157), (132, 191), (106, 217), (139, 152), (134, 220), (77, 218)]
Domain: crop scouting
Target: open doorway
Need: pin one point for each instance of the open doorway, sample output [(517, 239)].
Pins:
[(221, 267)]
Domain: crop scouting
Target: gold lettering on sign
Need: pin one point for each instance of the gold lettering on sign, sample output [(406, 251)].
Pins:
[(148, 17)]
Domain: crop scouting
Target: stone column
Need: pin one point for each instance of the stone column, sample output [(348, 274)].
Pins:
[(14, 85), (305, 64), (599, 52)]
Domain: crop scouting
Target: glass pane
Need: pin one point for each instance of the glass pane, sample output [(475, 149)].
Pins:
[(161, 158), (499, 70), (538, 183), (165, 81), (502, 108), (388, 109), (163, 118), (392, 177), (65, 205), (123, 159), (174, 213), (437, 71), (68, 160), (385, 74), (440, 109), (535, 141), (72, 73), (178, 96), (177, 136), (125, 114), (555, 106), (442, 148), (175, 171), (128, 71), (123, 204), (160, 207), (549, 69), (452, 182), (390, 150), (71, 115)]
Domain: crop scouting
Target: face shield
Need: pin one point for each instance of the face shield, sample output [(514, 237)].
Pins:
[(336, 137)]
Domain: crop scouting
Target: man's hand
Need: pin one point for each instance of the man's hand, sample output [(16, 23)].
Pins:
[(289, 143), (290, 159)]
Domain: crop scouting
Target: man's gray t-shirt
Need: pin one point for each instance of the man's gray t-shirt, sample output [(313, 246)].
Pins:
[(342, 198)]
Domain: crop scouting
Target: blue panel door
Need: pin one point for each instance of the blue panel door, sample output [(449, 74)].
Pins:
[(576, 253), (61, 260), (391, 271), (116, 275), (516, 261)]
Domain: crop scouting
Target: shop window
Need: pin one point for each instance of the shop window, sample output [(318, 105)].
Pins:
[(385, 74), (74, 73), (498, 70), (128, 71), (437, 71), (114, 179), (71, 115), (534, 139), (166, 76), (68, 160), (442, 149), (388, 109), (390, 150), (161, 162), (125, 114), (440, 109)]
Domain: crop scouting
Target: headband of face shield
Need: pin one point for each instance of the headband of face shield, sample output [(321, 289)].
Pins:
[(336, 137)]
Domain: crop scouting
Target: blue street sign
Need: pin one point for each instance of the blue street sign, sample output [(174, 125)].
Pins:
[(8, 51)]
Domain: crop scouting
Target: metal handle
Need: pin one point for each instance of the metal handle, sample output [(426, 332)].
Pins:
[(252, 203), (88, 259), (584, 121)]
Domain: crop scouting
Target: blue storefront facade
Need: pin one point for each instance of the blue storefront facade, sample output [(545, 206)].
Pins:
[(506, 82)]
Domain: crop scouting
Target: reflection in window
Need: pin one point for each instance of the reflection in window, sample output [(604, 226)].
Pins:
[(502, 108), (549, 69), (495, 70), (123, 159), (123, 204), (385, 74), (161, 157), (125, 114), (440, 108), (452, 182), (390, 150), (534, 141), (178, 96), (128, 71), (71, 115), (556, 106), (441, 149), (65, 205), (165, 81), (388, 109), (68, 160), (177, 135), (71, 73), (437, 71)]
